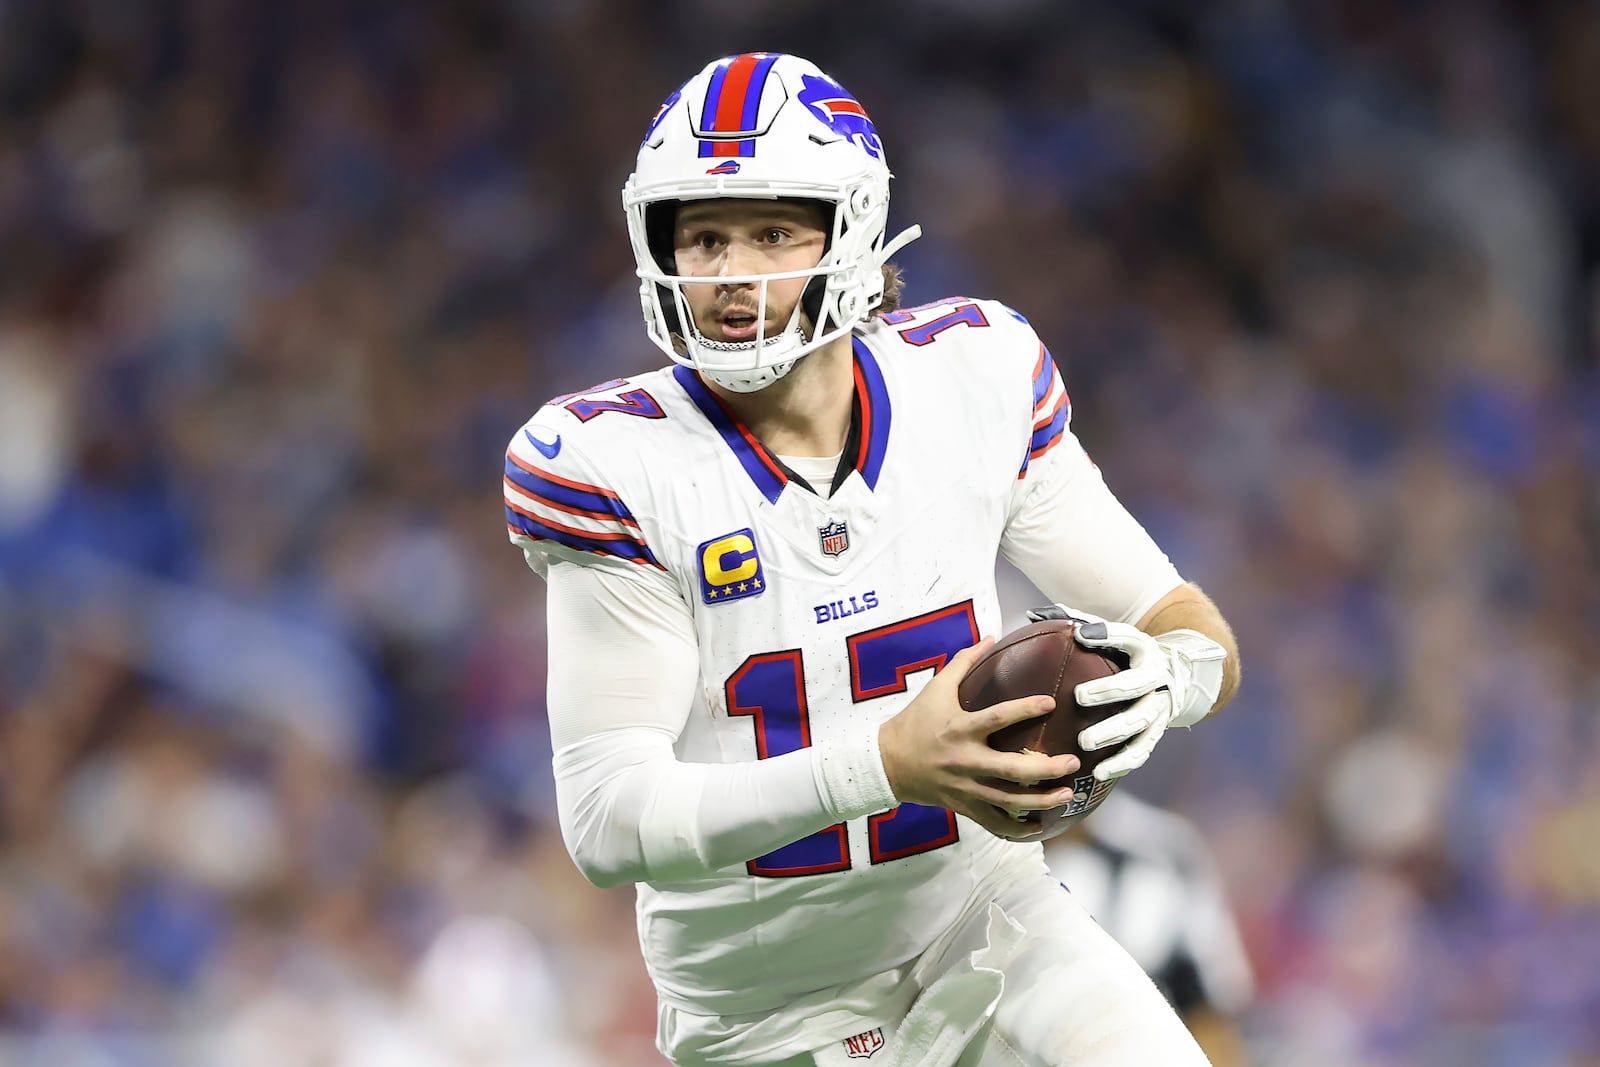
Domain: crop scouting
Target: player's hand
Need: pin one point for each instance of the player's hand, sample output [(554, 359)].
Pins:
[(1173, 680), (937, 753)]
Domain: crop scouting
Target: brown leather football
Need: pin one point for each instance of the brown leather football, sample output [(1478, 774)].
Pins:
[(1038, 659)]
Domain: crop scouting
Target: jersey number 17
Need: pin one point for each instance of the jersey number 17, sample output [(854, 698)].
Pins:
[(770, 688)]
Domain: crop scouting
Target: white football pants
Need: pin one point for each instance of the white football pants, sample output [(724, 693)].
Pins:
[(1025, 979), (1033, 982)]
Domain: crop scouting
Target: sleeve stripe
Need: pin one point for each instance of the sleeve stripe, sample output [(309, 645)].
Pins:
[(521, 534), (1047, 432), (628, 549), (561, 491), (585, 487), (522, 494), (545, 520), (1056, 440), (1044, 376)]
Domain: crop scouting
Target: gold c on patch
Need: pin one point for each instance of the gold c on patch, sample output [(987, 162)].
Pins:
[(730, 568)]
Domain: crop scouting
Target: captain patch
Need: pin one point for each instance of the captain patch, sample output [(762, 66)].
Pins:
[(730, 568)]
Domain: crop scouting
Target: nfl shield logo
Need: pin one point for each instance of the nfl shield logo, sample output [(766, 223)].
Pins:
[(862, 1046), (835, 537)]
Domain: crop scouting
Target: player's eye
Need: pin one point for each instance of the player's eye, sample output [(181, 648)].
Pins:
[(774, 236), (706, 240)]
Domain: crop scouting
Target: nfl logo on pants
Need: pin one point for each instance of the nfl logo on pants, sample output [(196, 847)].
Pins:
[(835, 537), (862, 1046)]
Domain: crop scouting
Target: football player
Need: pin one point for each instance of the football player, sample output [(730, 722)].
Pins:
[(769, 566)]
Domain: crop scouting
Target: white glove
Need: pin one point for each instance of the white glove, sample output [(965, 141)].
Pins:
[(1172, 679)]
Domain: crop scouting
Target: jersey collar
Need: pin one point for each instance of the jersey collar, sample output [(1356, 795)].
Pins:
[(865, 445)]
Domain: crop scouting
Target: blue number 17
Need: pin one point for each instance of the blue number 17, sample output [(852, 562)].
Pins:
[(770, 688)]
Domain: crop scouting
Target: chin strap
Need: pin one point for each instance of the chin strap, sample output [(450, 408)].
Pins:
[(750, 381)]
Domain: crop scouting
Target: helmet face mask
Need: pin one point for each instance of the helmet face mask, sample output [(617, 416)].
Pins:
[(761, 126)]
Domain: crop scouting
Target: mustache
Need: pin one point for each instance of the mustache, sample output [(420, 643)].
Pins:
[(737, 303)]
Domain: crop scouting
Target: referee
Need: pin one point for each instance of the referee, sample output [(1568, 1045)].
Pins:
[(1146, 877)]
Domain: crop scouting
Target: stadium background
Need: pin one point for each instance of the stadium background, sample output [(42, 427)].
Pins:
[(278, 280)]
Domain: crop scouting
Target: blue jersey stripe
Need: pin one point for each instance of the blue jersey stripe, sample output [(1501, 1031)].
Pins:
[(1053, 429), (625, 548), (596, 503), (1042, 380), (769, 479), (875, 410)]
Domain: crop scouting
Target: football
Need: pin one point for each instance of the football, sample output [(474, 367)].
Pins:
[(1038, 659)]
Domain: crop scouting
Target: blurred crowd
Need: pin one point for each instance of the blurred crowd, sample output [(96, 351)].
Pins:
[(279, 279)]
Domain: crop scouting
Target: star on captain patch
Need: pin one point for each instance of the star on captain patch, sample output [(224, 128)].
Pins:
[(835, 537)]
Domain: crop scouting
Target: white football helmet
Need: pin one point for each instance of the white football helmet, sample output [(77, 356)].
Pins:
[(769, 126)]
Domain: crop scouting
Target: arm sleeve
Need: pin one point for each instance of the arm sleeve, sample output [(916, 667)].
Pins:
[(624, 669), (1074, 540)]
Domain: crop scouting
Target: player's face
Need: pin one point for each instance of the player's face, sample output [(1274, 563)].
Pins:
[(726, 238)]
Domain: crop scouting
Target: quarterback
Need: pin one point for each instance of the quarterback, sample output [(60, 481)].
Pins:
[(769, 566)]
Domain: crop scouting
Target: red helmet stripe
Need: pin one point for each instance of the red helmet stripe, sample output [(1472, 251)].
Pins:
[(735, 84)]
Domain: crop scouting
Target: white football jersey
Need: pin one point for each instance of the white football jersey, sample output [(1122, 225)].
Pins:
[(811, 612)]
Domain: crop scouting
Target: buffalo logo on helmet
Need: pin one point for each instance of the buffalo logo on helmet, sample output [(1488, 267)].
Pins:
[(655, 123), (840, 112)]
